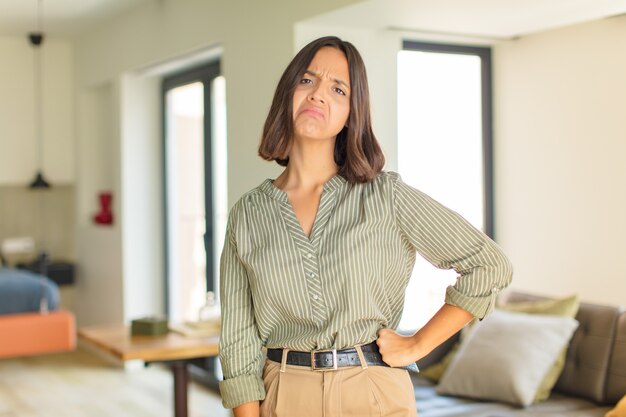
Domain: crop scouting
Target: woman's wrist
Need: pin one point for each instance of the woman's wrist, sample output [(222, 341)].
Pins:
[(443, 325), (419, 349)]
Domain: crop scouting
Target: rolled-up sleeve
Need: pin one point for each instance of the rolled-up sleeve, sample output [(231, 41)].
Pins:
[(447, 240), (240, 345)]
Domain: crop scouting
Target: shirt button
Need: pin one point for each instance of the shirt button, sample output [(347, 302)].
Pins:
[(311, 274), (308, 255), (315, 297)]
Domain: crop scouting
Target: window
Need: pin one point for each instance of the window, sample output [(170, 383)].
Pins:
[(194, 111), (444, 149)]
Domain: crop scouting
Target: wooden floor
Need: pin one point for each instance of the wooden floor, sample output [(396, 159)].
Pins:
[(81, 384)]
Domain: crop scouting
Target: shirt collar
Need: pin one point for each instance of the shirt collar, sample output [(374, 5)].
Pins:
[(270, 189), (335, 182)]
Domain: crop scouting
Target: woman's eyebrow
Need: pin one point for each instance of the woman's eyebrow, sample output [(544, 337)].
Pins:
[(337, 80)]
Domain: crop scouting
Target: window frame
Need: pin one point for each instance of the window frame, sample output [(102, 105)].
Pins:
[(204, 73), (204, 370)]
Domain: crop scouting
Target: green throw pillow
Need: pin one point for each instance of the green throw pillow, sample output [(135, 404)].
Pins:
[(567, 307)]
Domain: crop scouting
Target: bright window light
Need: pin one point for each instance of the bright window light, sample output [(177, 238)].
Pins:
[(440, 152)]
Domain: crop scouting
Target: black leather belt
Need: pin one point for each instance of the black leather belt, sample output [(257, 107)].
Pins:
[(329, 359)]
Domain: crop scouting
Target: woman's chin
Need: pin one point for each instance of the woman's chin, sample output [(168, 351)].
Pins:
[(313, 133)]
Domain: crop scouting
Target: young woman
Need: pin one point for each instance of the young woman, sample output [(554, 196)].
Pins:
[(316, 262)]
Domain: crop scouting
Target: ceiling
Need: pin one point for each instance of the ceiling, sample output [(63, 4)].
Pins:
[(492, 19), (60, 17), (497, 19)]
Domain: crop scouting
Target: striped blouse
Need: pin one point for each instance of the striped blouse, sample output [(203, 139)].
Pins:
[(339, 286)]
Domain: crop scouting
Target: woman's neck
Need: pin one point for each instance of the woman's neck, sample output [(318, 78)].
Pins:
[(311, 165)]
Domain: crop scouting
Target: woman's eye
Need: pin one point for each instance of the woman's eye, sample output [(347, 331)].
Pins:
[(305, 81), (340, 91)]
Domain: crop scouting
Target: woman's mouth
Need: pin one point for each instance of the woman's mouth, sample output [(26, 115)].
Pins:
[(313, 112)]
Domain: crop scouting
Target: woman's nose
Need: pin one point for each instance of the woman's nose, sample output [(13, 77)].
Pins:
[(317, 95)]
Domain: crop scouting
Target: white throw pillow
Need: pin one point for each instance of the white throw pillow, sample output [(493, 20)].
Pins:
[(505, 357)]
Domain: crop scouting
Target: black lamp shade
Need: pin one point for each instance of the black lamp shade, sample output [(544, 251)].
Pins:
[(36, 38), (39, 182)]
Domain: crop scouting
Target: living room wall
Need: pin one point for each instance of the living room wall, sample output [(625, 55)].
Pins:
[(561, 159)]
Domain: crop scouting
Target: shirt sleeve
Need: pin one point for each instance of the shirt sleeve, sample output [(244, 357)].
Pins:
[(447, 240), (240, 345)]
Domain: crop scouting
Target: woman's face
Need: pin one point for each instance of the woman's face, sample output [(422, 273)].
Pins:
[(321, 101)]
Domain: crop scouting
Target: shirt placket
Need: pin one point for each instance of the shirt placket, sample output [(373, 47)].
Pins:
[(308, 248)]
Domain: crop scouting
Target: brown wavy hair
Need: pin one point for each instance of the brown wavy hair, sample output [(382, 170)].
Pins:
[(357, 151)]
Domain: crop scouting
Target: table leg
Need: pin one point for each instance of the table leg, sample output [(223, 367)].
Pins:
[(181, 381)]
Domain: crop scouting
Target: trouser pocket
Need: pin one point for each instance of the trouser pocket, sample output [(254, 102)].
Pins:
[(293, 393), (393, 389)]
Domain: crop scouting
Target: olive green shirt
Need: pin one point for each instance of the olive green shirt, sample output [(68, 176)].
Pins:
[(338, 287)]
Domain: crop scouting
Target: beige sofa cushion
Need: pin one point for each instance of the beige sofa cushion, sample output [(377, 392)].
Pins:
[(567, 307), (506, 357)]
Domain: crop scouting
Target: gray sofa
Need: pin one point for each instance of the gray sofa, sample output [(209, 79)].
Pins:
[(593, 380)]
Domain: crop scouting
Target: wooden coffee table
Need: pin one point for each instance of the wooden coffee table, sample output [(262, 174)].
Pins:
[(174, 349)]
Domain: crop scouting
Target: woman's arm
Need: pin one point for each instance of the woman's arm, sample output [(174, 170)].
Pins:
[(448, 241), (398, 350), (250, 409), (240, 345)]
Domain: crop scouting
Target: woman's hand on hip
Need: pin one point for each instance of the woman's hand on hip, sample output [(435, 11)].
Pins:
[(397, 350)]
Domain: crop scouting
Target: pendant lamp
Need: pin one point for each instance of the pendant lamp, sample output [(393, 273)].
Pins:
[(36, 40)]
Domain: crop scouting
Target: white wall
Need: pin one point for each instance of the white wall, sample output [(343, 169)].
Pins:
[(99, 287), (18, 141), (560, 159)]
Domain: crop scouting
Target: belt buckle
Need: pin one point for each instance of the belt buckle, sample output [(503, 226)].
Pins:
[(314, 366)]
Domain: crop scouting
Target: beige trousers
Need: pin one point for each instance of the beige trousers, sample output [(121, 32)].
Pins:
[(347, 392)]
